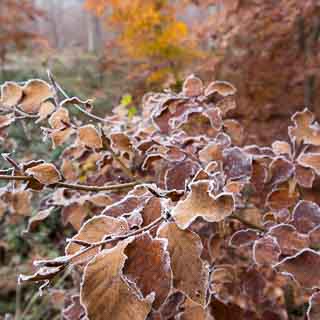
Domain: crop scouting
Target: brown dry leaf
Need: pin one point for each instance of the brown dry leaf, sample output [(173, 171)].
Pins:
[(69, 170), (306, 216), (35, 220), (289, 239), (201, 203), (46, 109), (303, 267), (244, 237), (45, 173), (310, 160), (59, 137), (21, 203), (280, 170), (89, 136), (236, 163), (3, 208), (304, 176), (305, 130), (313, 312), (192, 86), (106, 294), (223, 88), (179, 175), (190, 273), (281, 199), (266, 251), (148, 266), (281, 148), (11, 94), (75, 310), (234, 129), (192, 311), (94, 230), (59, 118), (43, 274), (34, 93), (75, 214)]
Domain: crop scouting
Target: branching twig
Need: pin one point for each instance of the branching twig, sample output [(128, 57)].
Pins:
[(87, 113)]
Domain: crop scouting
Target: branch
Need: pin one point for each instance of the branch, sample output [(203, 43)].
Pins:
[(87, 113), (80, 187)]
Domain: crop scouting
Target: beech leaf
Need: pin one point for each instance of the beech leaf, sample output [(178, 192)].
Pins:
[(201, 203), (105, 292)]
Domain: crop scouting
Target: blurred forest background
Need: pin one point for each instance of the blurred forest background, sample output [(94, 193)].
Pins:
[(114, 51)]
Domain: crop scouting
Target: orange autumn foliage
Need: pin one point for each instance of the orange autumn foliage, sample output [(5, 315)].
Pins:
[(149, 33)]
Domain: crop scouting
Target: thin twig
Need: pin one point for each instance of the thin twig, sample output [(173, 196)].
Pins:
[(111, 187), (36, 295), (81, 187), (90, 246), (87, 113)]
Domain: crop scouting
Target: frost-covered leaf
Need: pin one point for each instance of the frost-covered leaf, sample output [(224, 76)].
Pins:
[(75, 213), (45, 173), (281, 148), (305, 130), (304, 176), (306, 216), (280, 170), (94, 230), (11, 94), (201, 203), (313, 312), (236, 163), (289, 239), (89, 136), (244, 237), (43, 274), (190, 273), (59, 119), (106, 293), (222, 88), (148, 266), (266, 251), (34, 93), (282, 198), (310, 160), (46, 109), (35, 220), (303, 267), (192, 87)]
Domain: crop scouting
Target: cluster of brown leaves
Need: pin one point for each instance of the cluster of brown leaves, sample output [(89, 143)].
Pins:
[(209, 228)]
